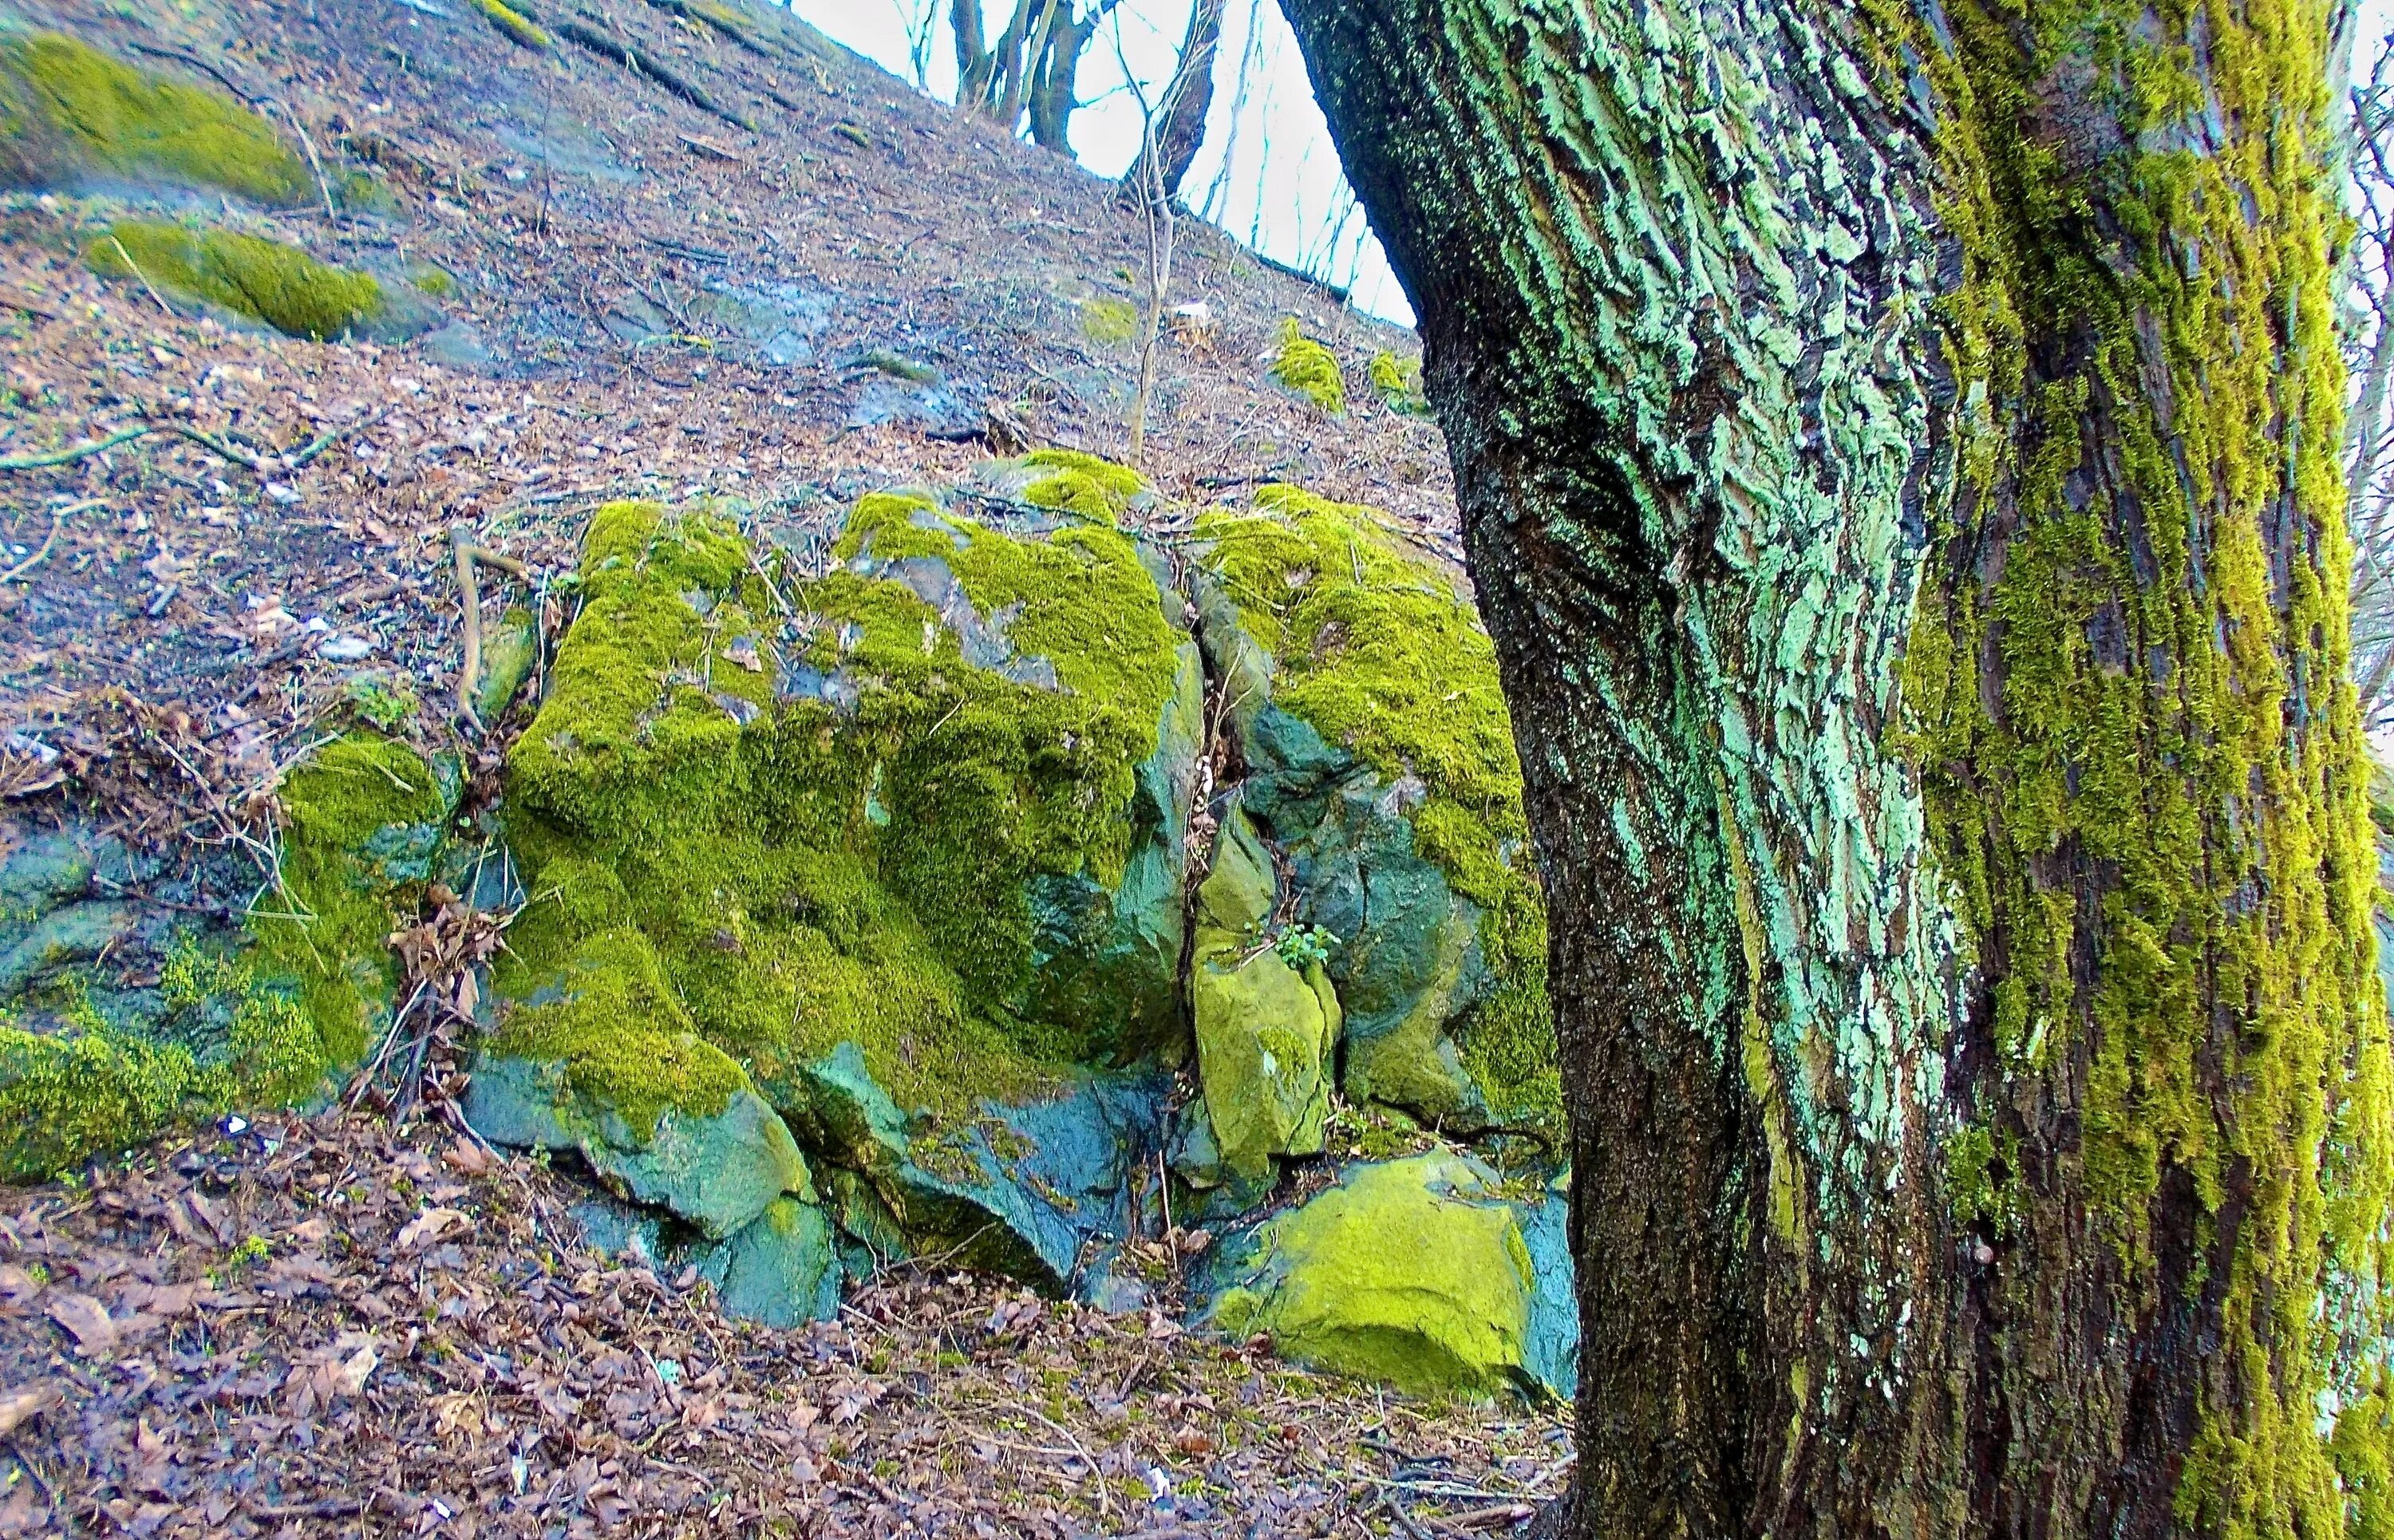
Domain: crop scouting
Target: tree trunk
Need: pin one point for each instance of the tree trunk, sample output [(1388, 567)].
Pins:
[(1187, 100), (1055, 92), (1896, 450)]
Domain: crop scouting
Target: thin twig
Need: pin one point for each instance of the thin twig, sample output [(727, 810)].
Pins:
[(58, 523), (139, 274)]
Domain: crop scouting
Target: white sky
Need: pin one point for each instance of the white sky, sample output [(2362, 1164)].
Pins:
[(1282, 194)]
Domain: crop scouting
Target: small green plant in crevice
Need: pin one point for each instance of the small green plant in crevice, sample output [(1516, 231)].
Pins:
[(1303, 946), (246, 275), (1310, 369), (252, 1251)]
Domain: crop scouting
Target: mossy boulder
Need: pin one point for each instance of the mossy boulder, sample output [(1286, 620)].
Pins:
[(604, 1060), (1021, 1188), (71, 115), (1364, 696), (120, 1018), (1397, 380), (920, 817), (1413, 1273), (1265, 1029), (256, 279)]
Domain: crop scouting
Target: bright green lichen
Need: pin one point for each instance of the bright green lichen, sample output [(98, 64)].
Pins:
[(103, 117), (850, 862), (2134, 719), (513, 23), (1399, 381), (265, 280), (1310, 369), (1373, 646)]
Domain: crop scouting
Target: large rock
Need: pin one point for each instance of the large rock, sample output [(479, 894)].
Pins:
[(905, 838), (1265, 1029), (782, 1268), (1413, 1272), (1023, 1189), (1364, 698)]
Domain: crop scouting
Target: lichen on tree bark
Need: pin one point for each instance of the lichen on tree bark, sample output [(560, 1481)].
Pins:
[(1897, 452)]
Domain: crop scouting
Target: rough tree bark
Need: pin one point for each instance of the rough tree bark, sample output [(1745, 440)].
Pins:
[(1187, 97), (1897, 444)]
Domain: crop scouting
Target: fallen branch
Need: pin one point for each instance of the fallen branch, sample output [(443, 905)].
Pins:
[(66, 456), (467, 554), (644, 64), (331, 436)]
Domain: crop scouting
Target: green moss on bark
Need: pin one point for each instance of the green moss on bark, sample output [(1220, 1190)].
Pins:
[(2136, 731)]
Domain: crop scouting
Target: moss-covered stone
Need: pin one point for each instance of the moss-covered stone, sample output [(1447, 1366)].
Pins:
[(1309, 369), (1108, 322), (1265, 1029), (864, 831), (119, 1021), (1365, 695), (781, 1269), (69, 113), (246, 275), (1413, 1273), (513, 25)]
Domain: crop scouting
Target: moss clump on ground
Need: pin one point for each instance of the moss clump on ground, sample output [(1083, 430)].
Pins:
[(1374, 647), (517, 27), (111, 118), (265, 280), (1310, 369), (1110, 322), (844, 857), (1399, 382)]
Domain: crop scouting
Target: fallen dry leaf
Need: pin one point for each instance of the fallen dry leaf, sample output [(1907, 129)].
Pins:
[(430, 1226), (86, 1321), (17, 1407)]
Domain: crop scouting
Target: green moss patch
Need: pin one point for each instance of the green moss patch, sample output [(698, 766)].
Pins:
[(1372, 645), (513, 24), (829, 823), (80, 112), (1398, 383), (1310, 369), (1110, 322), (246, 275)]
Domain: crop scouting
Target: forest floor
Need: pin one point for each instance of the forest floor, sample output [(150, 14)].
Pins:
[(331, 1327)]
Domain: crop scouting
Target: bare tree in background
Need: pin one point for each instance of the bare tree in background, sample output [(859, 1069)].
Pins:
[(1030, 69), (921, 19), (2369, 352), (1154, 195), (1169, 148)]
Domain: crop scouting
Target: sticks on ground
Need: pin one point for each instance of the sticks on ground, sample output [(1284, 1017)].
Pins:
[(467, 554)]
